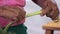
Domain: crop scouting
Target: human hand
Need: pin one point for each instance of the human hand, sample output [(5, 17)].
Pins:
[(50, 9), (12, 12)]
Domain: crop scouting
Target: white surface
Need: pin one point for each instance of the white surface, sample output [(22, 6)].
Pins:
[(35, 23)]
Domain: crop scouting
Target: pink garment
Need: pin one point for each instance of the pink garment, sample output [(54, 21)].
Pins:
[(19, 3)]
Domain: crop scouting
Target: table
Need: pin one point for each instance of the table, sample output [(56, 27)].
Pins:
[(51, 26)]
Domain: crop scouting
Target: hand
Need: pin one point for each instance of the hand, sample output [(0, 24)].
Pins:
[(12, 12), (50, 9)]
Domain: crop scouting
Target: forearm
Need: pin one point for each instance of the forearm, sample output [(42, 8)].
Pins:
[(39, 2), (44, 3)]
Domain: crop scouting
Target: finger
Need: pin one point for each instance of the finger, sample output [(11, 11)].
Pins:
[(48, 14), (44, 11), (54, 14)]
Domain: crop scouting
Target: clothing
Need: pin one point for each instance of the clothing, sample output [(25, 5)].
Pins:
[(19, 29), (19, 3), (4, 22)]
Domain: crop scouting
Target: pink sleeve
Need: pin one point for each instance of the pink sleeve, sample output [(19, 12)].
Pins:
[(13, 2), (21, 2)]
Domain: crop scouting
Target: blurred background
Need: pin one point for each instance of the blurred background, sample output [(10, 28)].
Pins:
[(34, 23)]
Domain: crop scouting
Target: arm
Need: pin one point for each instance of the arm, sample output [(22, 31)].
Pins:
[(49, 7), (44, 3), (39, 2)]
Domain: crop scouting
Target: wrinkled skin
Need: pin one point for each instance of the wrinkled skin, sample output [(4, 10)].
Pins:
[(49, 8), (12, 12)]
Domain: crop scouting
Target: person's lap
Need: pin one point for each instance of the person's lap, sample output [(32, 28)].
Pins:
[(20, 29)]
